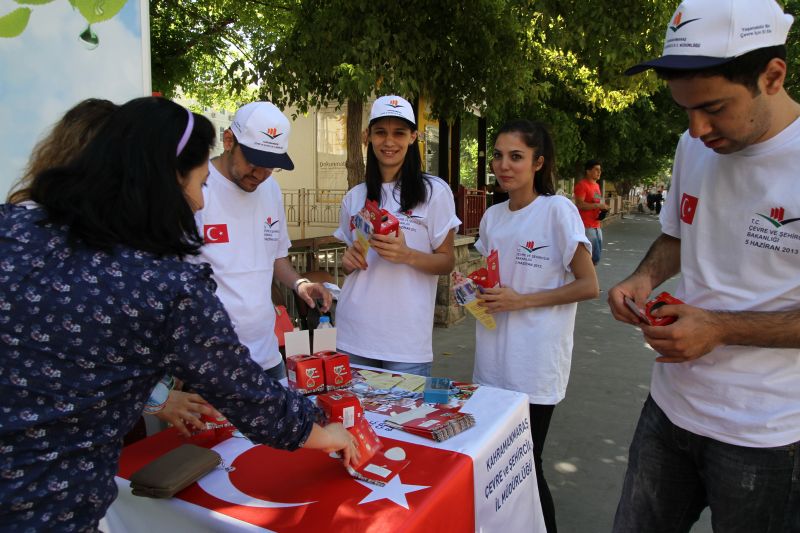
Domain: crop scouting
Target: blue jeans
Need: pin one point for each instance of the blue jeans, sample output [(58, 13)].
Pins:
[(420, 369), (277, 372), (674, 474), (595, 236)]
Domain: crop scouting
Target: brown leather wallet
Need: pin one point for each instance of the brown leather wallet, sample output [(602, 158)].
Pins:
[(173, 471)]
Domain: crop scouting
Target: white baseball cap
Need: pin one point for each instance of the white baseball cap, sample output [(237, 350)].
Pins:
[(392, 106), (263, 134), (707, 33)]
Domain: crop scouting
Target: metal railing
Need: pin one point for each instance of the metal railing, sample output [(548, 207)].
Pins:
[(470, 206), (312, 208), (312, 255)]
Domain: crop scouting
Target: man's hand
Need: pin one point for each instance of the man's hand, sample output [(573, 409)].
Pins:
[(695, 333), (501, 299), (390, 247), (354, 258), (183, 408), (311, 291), (636, 287)]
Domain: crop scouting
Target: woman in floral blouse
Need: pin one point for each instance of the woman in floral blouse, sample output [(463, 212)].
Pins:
[(97, 304)]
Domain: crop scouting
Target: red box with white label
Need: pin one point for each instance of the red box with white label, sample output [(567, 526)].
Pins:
[(306, 373), (367, 442), (337, 369), (374, 465), (341, 406)]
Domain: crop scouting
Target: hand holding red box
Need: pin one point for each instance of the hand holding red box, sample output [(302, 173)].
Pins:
[(646, 315)]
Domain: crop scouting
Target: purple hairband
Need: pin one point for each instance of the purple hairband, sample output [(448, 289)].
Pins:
[(186, 133)]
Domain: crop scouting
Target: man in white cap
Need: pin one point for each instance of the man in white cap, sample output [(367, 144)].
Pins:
[(722, 425), (244, 229)]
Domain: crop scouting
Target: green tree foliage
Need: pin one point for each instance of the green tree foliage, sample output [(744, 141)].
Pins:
[(205, 47), (459, 54), (592, 110), (793, 50), (558, 61)]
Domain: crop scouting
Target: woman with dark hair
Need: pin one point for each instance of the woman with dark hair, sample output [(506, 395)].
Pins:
[(64, 142), (67, 138), (385, 310), (97, 305), (545, 269)]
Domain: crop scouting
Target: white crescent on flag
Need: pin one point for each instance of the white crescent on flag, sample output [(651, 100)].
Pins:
[(210, 232), (218, 483)]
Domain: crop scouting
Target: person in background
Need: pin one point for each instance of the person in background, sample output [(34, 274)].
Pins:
[(385, 310), (245, 236), (721, 426), (658, 200), (98, 304), (545, 269), (590, 203)]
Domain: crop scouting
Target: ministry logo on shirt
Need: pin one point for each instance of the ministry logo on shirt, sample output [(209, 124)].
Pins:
[(408, 220), (527, 256), (773, 237), (776, 217), (271, 229), (531, 247)]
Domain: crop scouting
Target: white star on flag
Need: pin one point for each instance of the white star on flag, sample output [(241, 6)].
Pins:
[(395, 490)]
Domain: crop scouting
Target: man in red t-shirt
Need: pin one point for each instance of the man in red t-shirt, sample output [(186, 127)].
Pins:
[(589, 200)]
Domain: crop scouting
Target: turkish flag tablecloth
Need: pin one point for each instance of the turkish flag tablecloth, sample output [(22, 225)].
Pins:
[(307, 490), (479, 480)]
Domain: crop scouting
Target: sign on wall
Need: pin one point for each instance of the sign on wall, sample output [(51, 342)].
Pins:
[(55, 53)]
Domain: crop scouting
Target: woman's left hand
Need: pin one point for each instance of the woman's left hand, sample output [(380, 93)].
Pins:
[(501, 299), (390, 247)]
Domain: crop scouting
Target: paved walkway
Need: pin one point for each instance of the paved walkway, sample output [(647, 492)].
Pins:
[(587, 446)]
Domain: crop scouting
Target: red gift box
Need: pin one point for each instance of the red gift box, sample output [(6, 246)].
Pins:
[(306, 373), (373, 465), (662, 299), (337, 369), (367, 442), (488, 277), (383, 222), (341, 406)]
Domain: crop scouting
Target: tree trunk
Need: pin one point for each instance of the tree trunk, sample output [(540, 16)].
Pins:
[(355, 156)]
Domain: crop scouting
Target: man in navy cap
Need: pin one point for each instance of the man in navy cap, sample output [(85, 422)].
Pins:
[(721, 427), (244, 229)]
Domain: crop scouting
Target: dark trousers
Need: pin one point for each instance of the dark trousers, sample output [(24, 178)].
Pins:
[(674, 474), (540, 423)]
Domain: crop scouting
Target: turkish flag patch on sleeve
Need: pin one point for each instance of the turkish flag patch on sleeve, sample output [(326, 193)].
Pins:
[(215, 233), (688, 207)]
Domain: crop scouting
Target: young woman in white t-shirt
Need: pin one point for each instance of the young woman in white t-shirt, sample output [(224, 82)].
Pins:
[(545, 268), (384, 316)]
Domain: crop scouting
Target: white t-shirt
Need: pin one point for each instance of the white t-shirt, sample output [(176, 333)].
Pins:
[(530, 351), (244, 233), (738, 219), (386, 311)]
